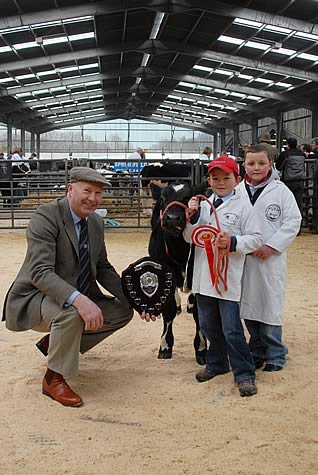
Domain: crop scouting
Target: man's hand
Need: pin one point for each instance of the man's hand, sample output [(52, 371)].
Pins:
[(148, 317), (89, 312), (264, 252)]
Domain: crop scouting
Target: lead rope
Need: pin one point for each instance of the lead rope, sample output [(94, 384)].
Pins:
[(220, 256)]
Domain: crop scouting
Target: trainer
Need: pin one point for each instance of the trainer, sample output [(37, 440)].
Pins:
[(56, 288)]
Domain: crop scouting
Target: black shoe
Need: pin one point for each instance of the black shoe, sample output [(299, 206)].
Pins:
[(204, 375), (247, 388), (43, 344), (259, 363), (272, 367)]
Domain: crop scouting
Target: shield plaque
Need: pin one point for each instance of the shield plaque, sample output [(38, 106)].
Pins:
[(149, 285)]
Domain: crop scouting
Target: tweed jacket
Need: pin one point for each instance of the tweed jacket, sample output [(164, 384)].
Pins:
[(51, 265)]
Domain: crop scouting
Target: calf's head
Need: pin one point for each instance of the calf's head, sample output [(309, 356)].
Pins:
[(174, 217)]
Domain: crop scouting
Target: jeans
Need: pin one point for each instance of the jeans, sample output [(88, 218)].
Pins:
[(266, 342), (221, 324)]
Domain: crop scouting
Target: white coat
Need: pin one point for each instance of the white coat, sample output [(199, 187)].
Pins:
[(264, 282), (236, 218)]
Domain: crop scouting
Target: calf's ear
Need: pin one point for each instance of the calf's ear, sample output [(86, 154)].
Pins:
[(155, 191)]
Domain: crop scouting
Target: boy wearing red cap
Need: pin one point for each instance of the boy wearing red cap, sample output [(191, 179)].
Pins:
[(264, 279), (219, 313)]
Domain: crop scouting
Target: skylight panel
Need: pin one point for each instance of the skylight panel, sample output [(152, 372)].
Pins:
[(224, 72), (277, 29), (253, 98), (58, 88), (46, 73), (230, 39), (263, 80), (245, 76), (22, 94), (29, 44), (221, 91), (283, 84), (186, 84), (54, 41), (174, 97), (309, 57), (307, 36), (202, 68), (25, 76), (243, 22), (6, 80), (82, 36), (203, 88), (255, 45), (237, 94), (285, 51), (4, 49)]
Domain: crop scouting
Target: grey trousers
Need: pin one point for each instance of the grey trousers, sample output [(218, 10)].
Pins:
[(67, 338)]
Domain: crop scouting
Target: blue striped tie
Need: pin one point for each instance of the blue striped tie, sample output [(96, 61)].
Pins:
[(84, 277)]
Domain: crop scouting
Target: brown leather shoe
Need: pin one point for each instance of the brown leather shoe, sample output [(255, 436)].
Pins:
[(55, 386), (43, 344)]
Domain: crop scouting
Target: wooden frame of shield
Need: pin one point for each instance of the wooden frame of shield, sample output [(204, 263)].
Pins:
[(149, 285)]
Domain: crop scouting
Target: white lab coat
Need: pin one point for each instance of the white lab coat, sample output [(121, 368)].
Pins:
[(264, 282), (236, 218)]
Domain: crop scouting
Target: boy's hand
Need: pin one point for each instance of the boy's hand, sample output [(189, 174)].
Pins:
[(222, 240), (193, 204), (264, 252), (148, 317)]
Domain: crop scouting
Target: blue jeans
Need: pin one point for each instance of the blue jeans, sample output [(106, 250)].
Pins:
[(221, 324), (266, 342)]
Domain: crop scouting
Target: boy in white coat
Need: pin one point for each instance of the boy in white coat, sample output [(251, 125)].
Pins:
[(219, 314), (264, 278)]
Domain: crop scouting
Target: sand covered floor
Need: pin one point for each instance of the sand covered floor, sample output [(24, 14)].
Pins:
[(147, 416)]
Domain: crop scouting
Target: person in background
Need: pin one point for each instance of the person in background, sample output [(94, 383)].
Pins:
[(291, 164), (56, 288), (314, 148), (265, 139)]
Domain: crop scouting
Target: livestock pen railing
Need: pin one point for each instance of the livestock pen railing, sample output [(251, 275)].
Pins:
[(126, 201)]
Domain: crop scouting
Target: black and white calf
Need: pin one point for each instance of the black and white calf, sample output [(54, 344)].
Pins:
[(167, 244)]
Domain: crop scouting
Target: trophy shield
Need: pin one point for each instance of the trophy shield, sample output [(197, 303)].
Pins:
[(149, 285)]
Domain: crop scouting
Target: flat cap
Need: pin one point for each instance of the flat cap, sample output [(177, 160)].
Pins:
[(87, 174)]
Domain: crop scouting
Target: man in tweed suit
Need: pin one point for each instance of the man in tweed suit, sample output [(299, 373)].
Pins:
[(45, 295)]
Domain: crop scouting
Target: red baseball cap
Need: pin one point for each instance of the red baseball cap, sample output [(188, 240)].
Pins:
[(225, 163)]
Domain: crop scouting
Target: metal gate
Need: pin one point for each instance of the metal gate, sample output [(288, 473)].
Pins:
[(126, 202)]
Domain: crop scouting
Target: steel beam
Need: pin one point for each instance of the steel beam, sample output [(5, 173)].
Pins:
[(173, 6), (155, 47)]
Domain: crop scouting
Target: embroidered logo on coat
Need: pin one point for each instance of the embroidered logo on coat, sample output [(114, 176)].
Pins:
[(273, 212), (230, 219)]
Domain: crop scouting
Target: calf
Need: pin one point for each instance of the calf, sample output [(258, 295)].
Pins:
[(167, 244)]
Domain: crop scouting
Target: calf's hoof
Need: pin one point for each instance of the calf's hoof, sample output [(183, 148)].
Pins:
[(165, 354), (200, 357)]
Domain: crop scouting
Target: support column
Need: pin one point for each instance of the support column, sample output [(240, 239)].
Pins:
[(314, 121), (23, 138), (32, 142), (236, 140), (254, 132), (215, 146), (9, 137), (279, 131), (222, 140), (38, 144)]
